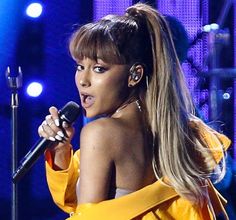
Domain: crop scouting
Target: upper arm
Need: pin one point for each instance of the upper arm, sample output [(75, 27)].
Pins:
[(95, 164)]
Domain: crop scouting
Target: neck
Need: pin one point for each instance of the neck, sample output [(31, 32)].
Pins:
[(132, 103)]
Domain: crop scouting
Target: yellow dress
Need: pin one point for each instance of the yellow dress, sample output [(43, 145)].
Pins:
[(153, 202)]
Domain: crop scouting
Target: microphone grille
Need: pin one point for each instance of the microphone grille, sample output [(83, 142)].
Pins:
[(70, 112)]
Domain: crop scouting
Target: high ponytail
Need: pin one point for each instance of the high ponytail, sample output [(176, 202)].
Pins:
[(169, 108)]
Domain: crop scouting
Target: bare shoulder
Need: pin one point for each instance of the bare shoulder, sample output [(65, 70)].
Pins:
[(96, 159), (102, 134)]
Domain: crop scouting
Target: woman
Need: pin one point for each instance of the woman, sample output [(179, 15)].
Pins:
[(149, 157)]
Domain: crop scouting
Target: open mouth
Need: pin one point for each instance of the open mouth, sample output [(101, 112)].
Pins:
[(87, 100)]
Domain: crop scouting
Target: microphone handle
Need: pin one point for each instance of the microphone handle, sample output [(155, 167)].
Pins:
[(30, 158)]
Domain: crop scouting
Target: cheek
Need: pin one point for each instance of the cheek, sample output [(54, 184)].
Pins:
[(121, 84), (118, 88), (77, 80), (119, 81), (116, 78)]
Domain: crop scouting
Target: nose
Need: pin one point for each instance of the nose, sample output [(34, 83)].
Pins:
[(83, 79), (84, 83)]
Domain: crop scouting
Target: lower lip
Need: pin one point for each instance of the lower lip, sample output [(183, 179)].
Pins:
[(85, 105)]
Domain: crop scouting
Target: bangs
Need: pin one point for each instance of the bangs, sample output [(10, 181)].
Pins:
[(95, 42)]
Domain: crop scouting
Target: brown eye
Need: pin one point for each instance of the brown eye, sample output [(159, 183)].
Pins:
[(99, 69)]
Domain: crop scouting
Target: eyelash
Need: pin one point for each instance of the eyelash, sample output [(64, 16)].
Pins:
[(100, 69), (79, 66)]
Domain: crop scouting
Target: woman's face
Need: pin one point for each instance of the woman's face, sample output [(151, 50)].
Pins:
[(102, 87)]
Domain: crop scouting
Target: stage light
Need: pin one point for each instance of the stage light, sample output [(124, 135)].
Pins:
[(214, 26), (34, 89), (227, 94), (34, 10), (210, 27), (207, 28)]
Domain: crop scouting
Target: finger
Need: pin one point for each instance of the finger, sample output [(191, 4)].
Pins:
[(58, 134), (69, 132), (65, 124), (40, 131), (49, 120), (43, 134), (51, 123), (47, 129), (54, 113)]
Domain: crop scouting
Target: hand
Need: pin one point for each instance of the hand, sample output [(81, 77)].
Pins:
[(50, 129), (60, 152)]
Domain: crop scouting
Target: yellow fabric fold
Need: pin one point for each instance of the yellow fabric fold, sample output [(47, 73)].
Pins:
[(62, 183), (156, 201), (216, 142), (129, 206)]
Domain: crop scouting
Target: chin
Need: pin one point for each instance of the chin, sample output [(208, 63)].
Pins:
[(88, 113), (91, 115)]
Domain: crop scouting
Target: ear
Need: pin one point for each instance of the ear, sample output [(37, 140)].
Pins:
[(136, 74)]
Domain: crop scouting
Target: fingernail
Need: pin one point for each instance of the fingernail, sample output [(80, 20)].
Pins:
[(59, 138), (48, 117), (57, 123), (60, 133), (64, 124), (51, 138)]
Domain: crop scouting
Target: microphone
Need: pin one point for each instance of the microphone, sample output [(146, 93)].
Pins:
[(69, 113)]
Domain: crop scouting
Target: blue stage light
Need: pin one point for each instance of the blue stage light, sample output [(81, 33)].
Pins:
[(34, 10), (34, 89), (227, 93), (226, 96)]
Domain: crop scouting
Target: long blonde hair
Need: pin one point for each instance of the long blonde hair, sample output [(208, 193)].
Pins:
[(178, 154), (143, 36)]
